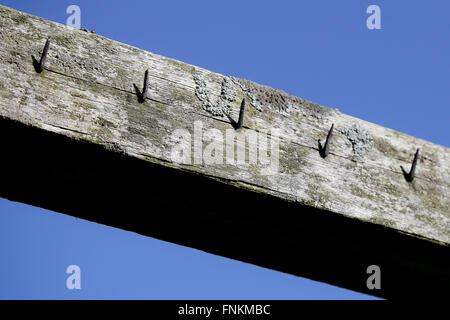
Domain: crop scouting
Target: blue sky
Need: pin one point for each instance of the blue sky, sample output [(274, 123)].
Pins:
[(320, 50)]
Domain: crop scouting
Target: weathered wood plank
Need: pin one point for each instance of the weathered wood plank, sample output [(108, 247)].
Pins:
[(86, 93), (100, 87)]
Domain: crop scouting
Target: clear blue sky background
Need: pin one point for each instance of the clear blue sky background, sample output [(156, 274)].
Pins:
[(397, 77)]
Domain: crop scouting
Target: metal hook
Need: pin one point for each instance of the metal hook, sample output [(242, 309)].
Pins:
[(325, 150), (142, 96), (144, 89), (241, 116), (410, 176), (39, 66)]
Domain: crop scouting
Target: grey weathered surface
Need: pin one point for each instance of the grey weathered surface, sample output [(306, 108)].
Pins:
[(86, 93)]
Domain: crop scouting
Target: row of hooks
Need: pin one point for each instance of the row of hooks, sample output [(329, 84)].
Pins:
[(142, 96), (409, 176)]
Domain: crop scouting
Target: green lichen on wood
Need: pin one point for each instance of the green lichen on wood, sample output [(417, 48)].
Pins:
[(67, 40), (84, 105), (76, 116), (102, 122), (320, 196), (78, 94), (318, 192), (383, 221), (430, 199), (160, 106), (180, 94), (4, 92), (384, 146), (292, 158), (361, 193), (18, 17), (100, 134), (350, 165), (393, 190)]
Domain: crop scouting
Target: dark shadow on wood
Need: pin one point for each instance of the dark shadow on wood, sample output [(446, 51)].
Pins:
[(139, 94), (36, 65), (233, 123)]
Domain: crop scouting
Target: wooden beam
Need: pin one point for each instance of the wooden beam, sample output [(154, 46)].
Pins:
[(77, 140)]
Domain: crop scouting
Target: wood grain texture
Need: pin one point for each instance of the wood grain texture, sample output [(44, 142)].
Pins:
[(87, 93)]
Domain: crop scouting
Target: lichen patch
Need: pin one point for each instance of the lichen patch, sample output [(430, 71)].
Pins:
[(359, 137), (226, 98), (267, 98)]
